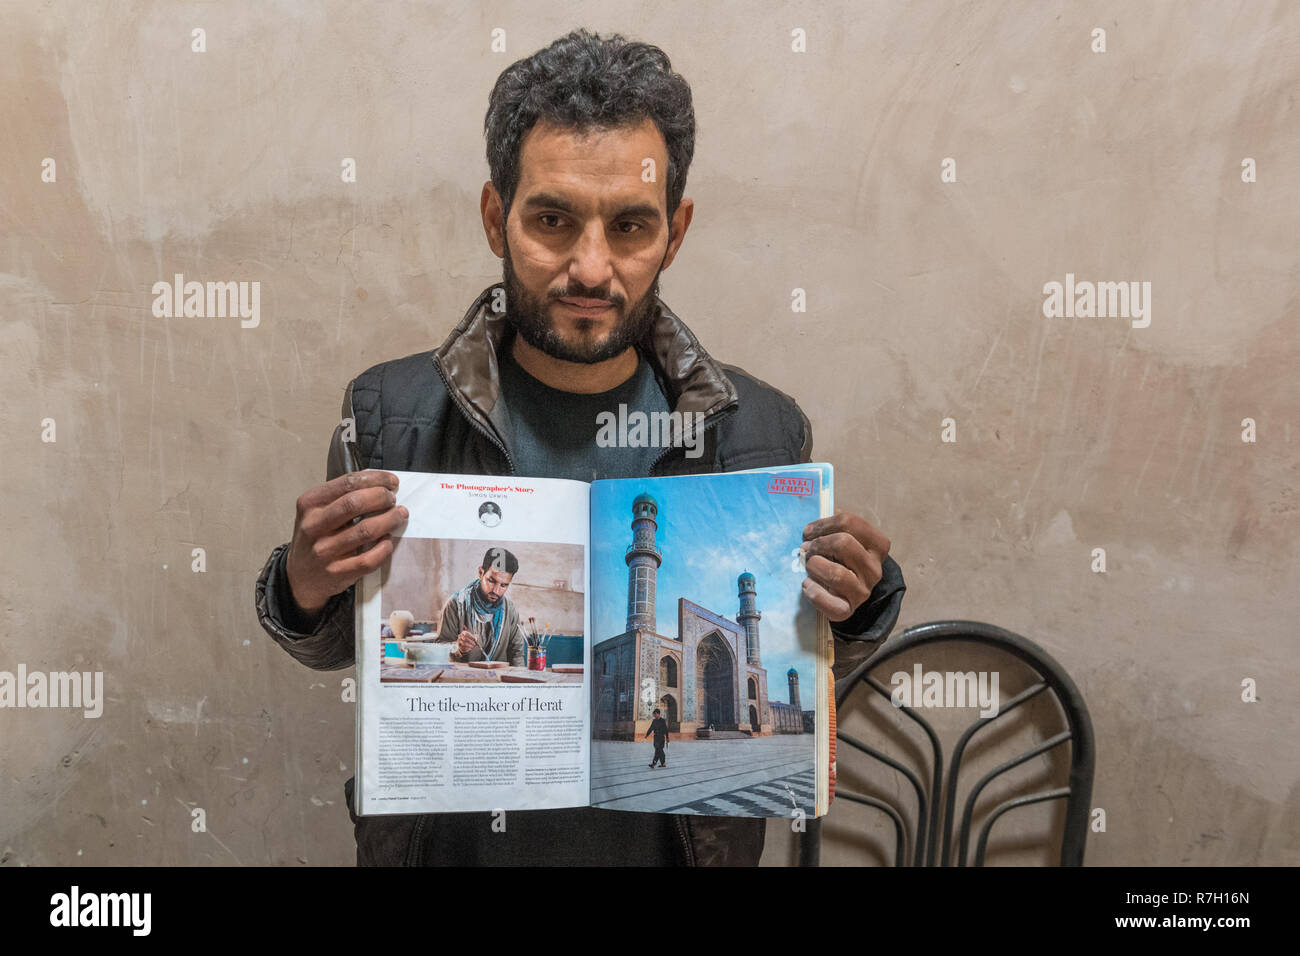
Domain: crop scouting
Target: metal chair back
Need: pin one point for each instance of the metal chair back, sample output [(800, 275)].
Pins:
[(928, 833)]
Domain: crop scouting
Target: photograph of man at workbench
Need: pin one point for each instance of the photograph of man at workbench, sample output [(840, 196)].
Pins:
[(481, 620), (511, 613)]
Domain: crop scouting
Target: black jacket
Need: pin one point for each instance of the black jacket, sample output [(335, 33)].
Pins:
[(437, 411), (658, 727)]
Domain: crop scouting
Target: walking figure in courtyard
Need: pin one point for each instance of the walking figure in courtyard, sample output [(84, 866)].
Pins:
[(658, 727)]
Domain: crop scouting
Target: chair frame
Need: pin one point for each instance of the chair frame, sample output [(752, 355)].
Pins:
[(925, 840)]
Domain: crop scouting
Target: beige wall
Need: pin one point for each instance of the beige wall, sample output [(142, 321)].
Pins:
[(818, 171)]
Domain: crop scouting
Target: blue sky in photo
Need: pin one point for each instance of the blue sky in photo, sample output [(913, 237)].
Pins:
[(711, 528)]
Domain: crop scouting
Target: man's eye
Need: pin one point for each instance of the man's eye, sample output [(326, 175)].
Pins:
[(546, 220)]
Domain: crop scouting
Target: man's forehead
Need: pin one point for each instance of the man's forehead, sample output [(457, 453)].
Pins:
[(604, 166)]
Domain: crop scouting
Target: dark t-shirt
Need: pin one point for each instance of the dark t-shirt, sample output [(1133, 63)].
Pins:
[(552, 434)]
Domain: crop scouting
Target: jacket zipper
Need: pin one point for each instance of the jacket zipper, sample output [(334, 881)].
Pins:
[(708, 423), (464, 410), (682, 829), (686, 838), (413, 848)]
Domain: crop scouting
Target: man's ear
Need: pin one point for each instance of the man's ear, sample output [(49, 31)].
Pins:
[(494, 217)]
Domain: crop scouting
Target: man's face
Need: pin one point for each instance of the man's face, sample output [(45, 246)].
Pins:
[(586, 239), (493, 583)]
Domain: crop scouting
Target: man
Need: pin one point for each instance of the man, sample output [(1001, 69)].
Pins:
[(479, 617), (489, 512), (658, 727), (589, 142)]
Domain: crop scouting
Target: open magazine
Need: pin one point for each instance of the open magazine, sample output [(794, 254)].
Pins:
[(634, 644)]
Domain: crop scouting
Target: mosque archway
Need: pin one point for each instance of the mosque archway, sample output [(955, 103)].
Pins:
[(715, 683), (668, 706)]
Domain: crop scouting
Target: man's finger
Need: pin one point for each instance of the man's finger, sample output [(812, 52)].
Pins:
[(342, 510), (859, 527), (352, 568), (843, 548), (351, 481), (835, 608), (355, 539), (837, 579)]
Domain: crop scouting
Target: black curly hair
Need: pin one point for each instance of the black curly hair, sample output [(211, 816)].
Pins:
[(587, 82), (499, 559)]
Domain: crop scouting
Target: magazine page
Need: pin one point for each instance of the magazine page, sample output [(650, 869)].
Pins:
[(471, 650), (708, 665)]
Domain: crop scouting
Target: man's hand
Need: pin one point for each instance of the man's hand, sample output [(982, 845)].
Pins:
[(328, 553), (844, 556), (466, 641)]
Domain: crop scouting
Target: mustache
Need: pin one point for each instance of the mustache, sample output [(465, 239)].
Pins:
[(572, 293)]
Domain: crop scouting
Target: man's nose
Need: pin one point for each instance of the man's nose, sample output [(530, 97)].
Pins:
[(592, 264)]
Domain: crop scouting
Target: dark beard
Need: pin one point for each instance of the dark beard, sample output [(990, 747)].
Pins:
[(526, 314)]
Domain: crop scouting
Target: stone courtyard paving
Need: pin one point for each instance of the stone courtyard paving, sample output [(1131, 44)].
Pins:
[(760, 776)]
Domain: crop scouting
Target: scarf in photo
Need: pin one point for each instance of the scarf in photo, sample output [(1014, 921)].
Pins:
[(481, 606)]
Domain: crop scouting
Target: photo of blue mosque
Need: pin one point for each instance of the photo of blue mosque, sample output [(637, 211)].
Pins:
[(708, 681)]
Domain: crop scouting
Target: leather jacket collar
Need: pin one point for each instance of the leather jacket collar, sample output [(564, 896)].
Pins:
[(691, 379)]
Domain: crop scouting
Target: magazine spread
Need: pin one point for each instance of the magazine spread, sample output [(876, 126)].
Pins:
[(439, 730), (634, 644)]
